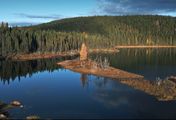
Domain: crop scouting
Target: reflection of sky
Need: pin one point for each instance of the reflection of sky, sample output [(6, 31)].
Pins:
[(60, 94), (130, 103)]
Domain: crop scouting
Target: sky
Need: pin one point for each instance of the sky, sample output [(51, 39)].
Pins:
[(40, 11)]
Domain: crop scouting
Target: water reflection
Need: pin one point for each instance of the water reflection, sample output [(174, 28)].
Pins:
[(163, 90), (65, 94), (151, 63), (84, 80), (122, 101), (4, 110), (10, 70)]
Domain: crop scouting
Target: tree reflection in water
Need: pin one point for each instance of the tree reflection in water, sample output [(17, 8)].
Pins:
[(165, 91), (10, 70), (151, 62)]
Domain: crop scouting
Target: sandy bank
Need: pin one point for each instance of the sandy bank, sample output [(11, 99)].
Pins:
[(34, 56), (86, 68), (24, 57)]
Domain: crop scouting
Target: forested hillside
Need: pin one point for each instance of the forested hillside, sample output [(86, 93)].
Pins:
[(97, 32), (20, 41), (127, 30)]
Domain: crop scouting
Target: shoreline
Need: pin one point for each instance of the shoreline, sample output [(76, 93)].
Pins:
[(34, 56), (143, 46), (136, 81)]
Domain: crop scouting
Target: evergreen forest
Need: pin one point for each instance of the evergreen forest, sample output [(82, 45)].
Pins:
[(96, 31)]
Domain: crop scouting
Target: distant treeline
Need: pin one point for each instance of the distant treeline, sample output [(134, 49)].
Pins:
[(97, 32)]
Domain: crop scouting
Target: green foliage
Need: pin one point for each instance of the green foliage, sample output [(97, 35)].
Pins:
[(20, 41), (97, 32), (121, 30)]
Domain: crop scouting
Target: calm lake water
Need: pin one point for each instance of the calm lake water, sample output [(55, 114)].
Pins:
[(49, 91)]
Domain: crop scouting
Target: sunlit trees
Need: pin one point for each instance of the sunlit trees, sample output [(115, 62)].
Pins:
[(96, 32)]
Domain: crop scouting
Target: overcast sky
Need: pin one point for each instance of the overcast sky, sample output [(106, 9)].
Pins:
[(38, 11)]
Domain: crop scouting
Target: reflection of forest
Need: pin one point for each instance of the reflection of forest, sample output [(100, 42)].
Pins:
[(163, 90), (126, 58), (10, 70), (84, 80), (130, 58)]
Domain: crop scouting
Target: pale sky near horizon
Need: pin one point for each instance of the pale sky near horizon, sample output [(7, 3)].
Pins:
[(38, 11)]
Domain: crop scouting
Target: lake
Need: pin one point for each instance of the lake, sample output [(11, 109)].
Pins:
[(49, 91)]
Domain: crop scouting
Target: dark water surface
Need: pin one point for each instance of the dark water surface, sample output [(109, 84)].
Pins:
[(49, 91)]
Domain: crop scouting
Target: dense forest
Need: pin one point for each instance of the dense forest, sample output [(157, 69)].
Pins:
[(21, 41), (11, 70), (98, 32), (122, 30)]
